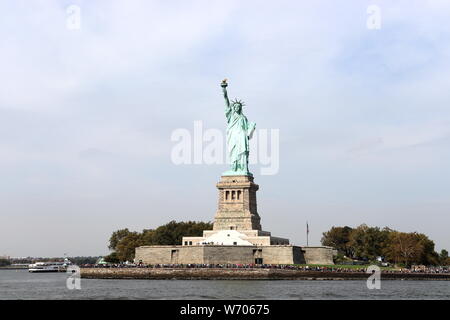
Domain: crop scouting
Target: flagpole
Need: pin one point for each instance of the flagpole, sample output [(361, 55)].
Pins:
[(307, 234)]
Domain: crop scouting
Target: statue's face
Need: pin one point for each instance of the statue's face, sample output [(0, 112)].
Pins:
[(237, 107)]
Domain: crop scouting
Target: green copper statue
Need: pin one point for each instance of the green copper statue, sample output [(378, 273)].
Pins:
[(239, 131)]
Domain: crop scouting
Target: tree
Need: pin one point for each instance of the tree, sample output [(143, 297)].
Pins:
[(173, 232), (112, 258), (443, 258), (148, 237), (4, 262), (127, 245), (404, 247), (116, 237), (338, 238), (83, 260), (124, 242), (428, 256), (368, 242)]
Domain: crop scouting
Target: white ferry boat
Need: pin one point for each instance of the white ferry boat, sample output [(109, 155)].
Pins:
[(49, 266)]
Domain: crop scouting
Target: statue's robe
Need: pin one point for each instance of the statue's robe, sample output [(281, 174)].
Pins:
[(238, 131)]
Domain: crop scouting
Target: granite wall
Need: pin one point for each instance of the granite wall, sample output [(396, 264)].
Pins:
[(216, 254)]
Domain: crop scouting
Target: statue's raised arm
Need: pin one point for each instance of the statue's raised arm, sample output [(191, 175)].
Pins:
[(224, 86)]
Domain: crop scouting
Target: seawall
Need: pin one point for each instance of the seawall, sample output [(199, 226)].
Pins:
[(243, 274)]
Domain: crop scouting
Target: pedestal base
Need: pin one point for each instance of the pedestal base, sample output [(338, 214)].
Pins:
[(237, 209)]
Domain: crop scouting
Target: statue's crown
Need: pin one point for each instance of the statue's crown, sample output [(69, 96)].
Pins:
[(238, 101)]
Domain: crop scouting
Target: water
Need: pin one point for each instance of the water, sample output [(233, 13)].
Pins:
[(20, 284)]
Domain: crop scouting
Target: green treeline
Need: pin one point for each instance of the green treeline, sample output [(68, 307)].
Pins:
[(4, 262), (367, 243), (123, 242), (360, 243)]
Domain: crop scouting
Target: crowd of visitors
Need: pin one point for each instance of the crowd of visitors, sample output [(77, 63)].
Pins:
[(413, 269)]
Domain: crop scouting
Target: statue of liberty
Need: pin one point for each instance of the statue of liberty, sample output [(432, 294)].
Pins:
[(239, 131)]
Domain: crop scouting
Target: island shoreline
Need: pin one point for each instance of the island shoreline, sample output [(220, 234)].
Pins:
[(244, 274)]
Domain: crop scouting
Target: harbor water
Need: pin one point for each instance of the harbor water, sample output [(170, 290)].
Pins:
[(20, 284)]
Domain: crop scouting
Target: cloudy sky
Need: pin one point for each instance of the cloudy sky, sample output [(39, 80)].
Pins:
[(86, 115)]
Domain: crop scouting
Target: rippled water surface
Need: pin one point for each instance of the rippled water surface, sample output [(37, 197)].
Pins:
[(20, 284)]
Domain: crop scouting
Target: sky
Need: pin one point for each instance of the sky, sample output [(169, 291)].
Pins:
[(87, 112)]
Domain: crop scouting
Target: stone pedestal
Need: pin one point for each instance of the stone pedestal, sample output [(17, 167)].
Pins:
[(237, 221), (237, 208)]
